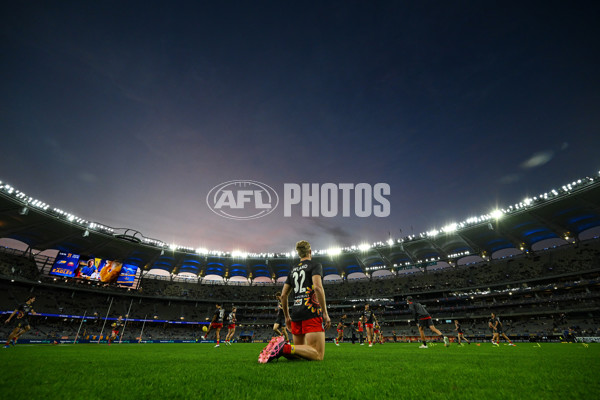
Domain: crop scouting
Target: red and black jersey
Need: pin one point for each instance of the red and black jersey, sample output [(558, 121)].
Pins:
[(219, 315), (231, 318), (25, 308), (118, 325), (368, 316), (305, 304)]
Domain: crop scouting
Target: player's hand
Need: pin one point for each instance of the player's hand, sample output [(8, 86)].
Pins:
[(327, 321)]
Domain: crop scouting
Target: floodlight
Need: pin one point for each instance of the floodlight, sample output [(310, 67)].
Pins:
[(496, 214)]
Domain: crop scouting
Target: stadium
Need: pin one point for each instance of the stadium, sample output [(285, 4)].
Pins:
[(535, 263)]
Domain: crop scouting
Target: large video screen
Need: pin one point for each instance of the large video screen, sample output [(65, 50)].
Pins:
[(94, 269), (65, 264)]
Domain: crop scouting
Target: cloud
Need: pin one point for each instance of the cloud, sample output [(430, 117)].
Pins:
[(510, 178), (538, 159), (340, 235)]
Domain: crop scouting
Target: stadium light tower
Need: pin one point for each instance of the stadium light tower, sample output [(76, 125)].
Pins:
[(496, 214)]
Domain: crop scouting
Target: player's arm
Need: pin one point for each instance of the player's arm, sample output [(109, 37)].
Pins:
[(11, 315), (320, 292), (284, 302)]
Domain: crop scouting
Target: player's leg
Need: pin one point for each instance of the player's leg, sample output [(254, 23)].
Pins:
[(507, 339), (464, 338), (422, 334), (12, 335), (218, 335), (314, 349), (287, 338), (276, 329), (208, 331)]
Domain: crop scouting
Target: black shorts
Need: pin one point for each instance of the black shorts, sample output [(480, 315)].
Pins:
[(20, 323), (425, 323), (280, 322)]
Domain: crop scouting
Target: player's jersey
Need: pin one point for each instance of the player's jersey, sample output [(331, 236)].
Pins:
[(340, 326), (360, 326), (25, 308), (305, 305), (493, 322), (220, 315), (118, 325), (418, 311), (231, 318), (368, 316), (458, 328)]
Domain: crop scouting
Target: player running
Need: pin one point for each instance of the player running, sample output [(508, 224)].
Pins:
[(116, 328), (459, 333), (423, 319), (279, 325), (308, 318), (21, 321), (369, 320), (496, 326), (231, 320), (340, 331), (216, 323)]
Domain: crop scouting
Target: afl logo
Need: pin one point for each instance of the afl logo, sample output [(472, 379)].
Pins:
[(242, 199)]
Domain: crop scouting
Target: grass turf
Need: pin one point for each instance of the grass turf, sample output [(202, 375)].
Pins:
[(191, 371)]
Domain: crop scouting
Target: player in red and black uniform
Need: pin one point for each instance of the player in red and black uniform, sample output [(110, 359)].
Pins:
[(377, 335), (361, 331), (20, 318), (369, 320), (459, 333), (279, 325), (116, 328), (231, 320), (308, 318), (496, 326), (423, 319), (216, 324), (340, 331)]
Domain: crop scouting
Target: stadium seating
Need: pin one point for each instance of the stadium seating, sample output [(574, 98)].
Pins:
[(536, 295)]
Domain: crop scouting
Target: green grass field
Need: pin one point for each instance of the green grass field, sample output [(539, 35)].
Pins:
[(199, 371)]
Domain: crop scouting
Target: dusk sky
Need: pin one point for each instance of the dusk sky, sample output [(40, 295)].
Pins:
[(128, 113)]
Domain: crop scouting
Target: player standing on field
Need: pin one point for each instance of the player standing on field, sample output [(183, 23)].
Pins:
[(231, 320), (360, 331), (21, 323), (340, 331), (423, 319), (459, 333), (216, 323), (308, 318), (369, 319), (116, 328), (279, 326)]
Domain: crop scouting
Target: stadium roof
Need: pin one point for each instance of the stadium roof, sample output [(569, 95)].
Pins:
[(547, 223)]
